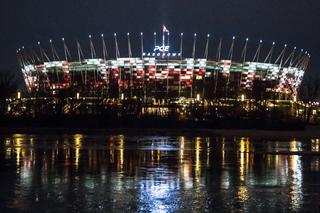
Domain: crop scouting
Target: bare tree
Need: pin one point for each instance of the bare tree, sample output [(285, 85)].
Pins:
[(8, 87), (309, 92)]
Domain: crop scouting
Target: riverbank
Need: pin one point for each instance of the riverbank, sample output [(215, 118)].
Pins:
[(309, 132)]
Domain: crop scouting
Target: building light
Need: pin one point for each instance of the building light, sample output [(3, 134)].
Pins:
[(242, 97), (198, 97), (78, 95), (122, 96), (294, 98), (19, 95)]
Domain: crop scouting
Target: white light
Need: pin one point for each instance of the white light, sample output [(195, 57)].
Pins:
[(154, 33), (89, 36), (242, 97), (141, 33), (233, 37), (115, 34), (195, 34), (208, 35), (273, 43), (285, 45), (181, 34), (260, 41), (128, 34), (198, 97), (102, 35), (294, 98), (295, 48), (122, 96), (23, 47), (247, 39), (38, 42), (168, 33), (19, 95), (78, 95), (50, 41), (62, 39)]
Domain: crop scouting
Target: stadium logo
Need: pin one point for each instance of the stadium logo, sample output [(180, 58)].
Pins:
[(161, 48)]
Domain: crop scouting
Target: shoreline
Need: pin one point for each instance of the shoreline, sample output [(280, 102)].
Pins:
[(309, 133)]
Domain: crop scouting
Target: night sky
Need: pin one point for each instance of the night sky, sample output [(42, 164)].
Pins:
[(294, 22)]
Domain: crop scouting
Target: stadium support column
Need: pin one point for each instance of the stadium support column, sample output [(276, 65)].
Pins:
[(54, 53), (257, 54), (243, 58), (230, 56), (141, 44), (104, 48), (105, 56), (290, 57), (79, 50), (181, 49), (244, 51), (80, 53), (168, 71), (130, 56), (193, 57), (41, 55), (92, 49), (155, 39), (144, 72), (280, 58), (93, 55), (297, 59), (117, 56), (268, 59), (66, 50), (206, 48), (54, 57), (206, 51), (218, 55)]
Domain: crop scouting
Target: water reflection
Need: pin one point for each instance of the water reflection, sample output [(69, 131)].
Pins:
[(157, 174)]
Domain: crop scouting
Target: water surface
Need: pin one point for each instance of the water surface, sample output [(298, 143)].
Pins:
[(120, 173)]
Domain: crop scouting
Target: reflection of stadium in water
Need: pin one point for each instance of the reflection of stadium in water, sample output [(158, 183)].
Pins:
[(155, 173)]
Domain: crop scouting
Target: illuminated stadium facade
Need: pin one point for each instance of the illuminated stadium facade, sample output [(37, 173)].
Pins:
[(162, 73)]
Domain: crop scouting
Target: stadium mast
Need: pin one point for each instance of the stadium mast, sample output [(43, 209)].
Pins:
[(207, 47), (244, 51)]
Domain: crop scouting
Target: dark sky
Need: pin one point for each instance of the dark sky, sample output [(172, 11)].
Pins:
[(295, 22)]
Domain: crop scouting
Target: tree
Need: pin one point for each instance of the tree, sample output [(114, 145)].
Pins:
[(309, 92), (8, 87)]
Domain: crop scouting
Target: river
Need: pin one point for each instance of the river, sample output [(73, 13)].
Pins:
[(87, 172)]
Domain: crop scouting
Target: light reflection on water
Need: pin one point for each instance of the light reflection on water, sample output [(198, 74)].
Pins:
[(157, 174)]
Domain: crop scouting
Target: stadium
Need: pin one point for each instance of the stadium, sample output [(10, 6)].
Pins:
[(161, 73), (124, 74)]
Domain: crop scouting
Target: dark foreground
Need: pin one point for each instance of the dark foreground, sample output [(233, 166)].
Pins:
[(104, 172)]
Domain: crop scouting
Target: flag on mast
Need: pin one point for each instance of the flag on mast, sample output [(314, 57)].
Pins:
[(165, 29)]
